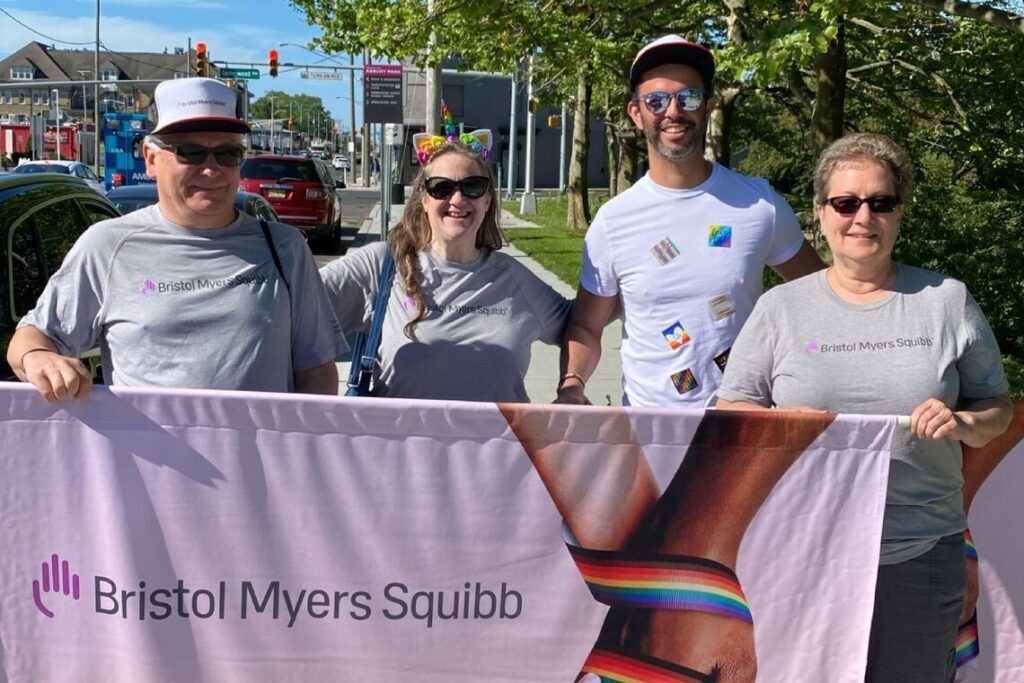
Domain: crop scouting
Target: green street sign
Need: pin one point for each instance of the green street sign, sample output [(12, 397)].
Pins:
[(240, 74)]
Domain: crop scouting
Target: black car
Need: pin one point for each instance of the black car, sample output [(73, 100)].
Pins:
[(128, 198), (41, 217)]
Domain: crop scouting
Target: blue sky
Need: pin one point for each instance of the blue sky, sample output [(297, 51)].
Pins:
[(234, 31)]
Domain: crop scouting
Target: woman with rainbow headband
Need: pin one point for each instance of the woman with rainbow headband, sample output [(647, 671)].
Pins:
[(460, 315)]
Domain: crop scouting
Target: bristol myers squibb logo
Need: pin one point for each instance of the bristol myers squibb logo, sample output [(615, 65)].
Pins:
[(56, 579), (147, 286)]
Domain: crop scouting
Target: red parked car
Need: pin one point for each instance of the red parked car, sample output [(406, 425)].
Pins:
[(303, 193)]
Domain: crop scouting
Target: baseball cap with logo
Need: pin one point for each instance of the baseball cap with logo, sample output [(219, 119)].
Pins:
[(188, 105), (673, 49)]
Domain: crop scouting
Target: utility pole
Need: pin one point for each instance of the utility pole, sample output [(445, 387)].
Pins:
[(561, 149), (433, 94), (528, 203), (366, 130), (271, 124), (351, 151), (96, 96), (512, 123)]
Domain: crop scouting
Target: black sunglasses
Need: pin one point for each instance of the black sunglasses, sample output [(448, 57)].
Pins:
[(687, 99), (473, 187), (849, 206), (193, 154)]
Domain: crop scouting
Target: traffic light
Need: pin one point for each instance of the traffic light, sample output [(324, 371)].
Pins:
[(273, 63), (202, 60)]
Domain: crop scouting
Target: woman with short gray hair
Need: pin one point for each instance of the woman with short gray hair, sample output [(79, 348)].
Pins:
[(871, 336)]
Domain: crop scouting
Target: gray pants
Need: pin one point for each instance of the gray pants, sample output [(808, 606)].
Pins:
[(917, 609)]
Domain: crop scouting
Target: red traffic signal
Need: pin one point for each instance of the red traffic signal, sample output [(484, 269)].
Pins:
[(202, 60), (273, 63)]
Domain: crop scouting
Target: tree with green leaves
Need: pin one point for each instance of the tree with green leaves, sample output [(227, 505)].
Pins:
[(306, 112)]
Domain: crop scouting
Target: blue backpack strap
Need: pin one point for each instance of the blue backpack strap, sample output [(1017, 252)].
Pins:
[(364, 351)]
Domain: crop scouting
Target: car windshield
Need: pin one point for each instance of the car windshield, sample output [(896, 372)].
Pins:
[(280, 168), (43, 168)]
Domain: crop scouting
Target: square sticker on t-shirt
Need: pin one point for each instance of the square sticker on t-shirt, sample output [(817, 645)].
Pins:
[(664, 251), (722, 358), (721, 306), (676, 336), (720, 236), (684, 381)]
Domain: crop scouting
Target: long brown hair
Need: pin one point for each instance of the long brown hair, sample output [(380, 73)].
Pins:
[(412, 234)]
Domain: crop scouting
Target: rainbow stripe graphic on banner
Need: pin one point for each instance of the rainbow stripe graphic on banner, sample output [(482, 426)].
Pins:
[(676, 582), (616, 667), (664, 251), (970, 550), (967, 647), (720, 236)]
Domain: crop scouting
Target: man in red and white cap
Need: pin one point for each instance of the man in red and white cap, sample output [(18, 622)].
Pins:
[(188, 292), (682, 251)]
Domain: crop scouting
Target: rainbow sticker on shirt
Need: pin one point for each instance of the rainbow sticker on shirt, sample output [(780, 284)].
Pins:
[(664, 251), (676, 336), (684, 381), (720, 236)]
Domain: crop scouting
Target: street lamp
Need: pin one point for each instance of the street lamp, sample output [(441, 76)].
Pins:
[(352, 93)]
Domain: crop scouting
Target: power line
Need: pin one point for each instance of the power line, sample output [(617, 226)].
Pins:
[(40, 33)]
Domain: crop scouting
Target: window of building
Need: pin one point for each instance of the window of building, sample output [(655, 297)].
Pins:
[(6, 97), (21, 97), (180, 74), (37, 98), (21, 73), (108, 74)]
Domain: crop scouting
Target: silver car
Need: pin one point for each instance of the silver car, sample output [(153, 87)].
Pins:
[(75, 168)]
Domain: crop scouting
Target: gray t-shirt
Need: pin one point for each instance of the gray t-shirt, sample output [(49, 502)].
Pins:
[(805, 346), (176, 307), (474, 344)]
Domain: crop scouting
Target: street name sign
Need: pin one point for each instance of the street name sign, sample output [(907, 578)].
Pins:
[(240, 74), (322, 75), (382, 93)]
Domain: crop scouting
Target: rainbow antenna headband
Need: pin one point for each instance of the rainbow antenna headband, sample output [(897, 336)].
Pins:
[(479, 141)]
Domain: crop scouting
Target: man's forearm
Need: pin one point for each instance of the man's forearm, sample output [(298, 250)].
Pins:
[(323, 380), (581, 351)]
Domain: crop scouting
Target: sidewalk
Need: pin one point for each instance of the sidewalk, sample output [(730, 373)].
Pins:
[(604, 387)]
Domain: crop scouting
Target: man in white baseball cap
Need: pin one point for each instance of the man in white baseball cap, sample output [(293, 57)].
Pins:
[(682, 251), (188, 292)]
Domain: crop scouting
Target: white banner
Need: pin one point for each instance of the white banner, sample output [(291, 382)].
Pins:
[(173, 535)]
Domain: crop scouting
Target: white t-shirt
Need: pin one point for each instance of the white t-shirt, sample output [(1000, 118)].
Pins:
[(688, 266)]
